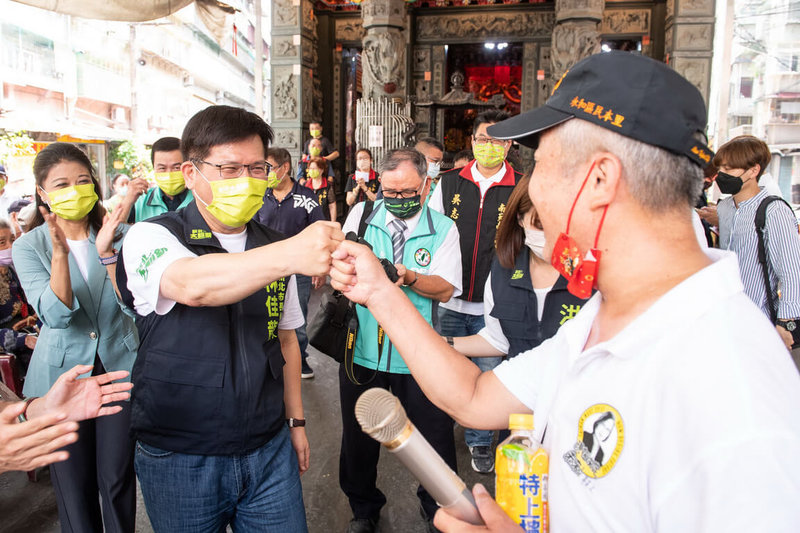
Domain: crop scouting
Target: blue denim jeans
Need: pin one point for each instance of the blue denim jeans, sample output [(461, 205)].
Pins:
[(256, 491), (303, 294), (455, 324)]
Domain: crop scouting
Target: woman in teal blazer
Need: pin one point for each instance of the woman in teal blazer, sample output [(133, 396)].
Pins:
[(84, 323)]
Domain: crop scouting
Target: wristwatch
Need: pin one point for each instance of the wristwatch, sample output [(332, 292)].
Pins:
[(296, 422)]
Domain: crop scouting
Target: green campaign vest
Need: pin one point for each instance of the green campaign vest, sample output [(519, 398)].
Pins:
[(418, 254), (151, 204)]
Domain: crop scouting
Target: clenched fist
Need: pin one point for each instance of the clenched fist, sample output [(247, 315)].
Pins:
[(313, 247)]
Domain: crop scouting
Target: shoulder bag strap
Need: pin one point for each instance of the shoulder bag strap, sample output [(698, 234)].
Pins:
[(761, 230), (352, 326)]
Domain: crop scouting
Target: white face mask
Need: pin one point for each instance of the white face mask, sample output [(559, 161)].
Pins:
[(362, 175), (534, 239), (433, 169), (123, 191)]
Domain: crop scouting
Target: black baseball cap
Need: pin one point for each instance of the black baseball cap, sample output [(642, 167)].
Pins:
[(630, 94)]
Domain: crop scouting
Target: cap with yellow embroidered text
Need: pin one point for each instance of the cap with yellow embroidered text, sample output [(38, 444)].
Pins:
[(630, 94)]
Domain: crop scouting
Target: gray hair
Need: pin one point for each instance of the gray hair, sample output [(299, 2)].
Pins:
[(393, 159), (656, 178)]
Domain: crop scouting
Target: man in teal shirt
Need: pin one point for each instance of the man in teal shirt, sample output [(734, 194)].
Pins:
[(424, 247), (171, 193)]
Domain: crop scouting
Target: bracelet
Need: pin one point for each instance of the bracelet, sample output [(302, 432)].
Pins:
[(450, 340), (416, 277), (23, 415), (106, 261)]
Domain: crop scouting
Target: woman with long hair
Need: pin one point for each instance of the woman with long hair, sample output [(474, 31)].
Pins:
[(66, 267)]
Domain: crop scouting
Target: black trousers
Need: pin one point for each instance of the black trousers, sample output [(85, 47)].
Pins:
[(100, 467), (358, 459)]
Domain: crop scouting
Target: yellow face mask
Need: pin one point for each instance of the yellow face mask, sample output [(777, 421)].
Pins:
[(489, 155), (72, 203), (313, 173), (316, 133), (273, 180), (170, 182), (235, 201), (2, 183)]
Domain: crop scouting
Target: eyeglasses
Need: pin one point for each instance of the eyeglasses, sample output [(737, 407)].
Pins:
[(234, 170), (482, 139), (407, 193)]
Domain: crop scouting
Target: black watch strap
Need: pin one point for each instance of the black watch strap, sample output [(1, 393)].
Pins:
[(296, 422)]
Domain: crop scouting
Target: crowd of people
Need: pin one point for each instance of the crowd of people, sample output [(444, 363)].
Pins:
[(649, 333)]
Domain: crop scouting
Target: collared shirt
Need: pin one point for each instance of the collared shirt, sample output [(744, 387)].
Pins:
[(298, 210), (699, 388), (738, 234)]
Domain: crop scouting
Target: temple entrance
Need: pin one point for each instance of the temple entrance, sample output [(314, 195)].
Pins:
[(489, 69)]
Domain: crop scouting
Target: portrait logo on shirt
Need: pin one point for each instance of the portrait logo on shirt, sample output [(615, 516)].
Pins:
[(305, 202), (601, 436), (422, 257), (148, 259)]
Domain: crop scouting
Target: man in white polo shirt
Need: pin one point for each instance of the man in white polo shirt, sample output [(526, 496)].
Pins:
[(669, 402)]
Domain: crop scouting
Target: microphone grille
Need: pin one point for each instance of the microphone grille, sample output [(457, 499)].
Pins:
[(380, 414)]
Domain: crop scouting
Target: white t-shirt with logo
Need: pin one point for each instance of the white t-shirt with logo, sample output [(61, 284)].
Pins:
[(150, 248), (688, 420)]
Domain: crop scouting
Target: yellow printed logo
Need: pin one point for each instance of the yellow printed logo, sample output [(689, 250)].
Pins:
[(517, 274), (456, 199), (702, 154), (601, 437), (595, 110), (558, 83), (199, 234)]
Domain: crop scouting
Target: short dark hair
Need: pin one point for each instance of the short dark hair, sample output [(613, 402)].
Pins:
[(280, 155), (221, 124), (317, 122), (393, 158), (430, 141), (164, 144), (463, 154), (493, 116), (365, 150)]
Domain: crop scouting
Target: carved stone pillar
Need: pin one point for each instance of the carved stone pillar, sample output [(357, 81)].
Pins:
[(690, 39), (293, 59), (576, 33), (383, 57)]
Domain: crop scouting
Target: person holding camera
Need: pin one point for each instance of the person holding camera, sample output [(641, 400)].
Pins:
[(423, 246)]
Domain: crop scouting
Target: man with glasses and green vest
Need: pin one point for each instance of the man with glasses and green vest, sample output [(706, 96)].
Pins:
[(423, 246), (171, 193), (475, 197)]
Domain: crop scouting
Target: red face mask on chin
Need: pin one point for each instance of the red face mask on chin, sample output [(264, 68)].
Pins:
[(579, 270)]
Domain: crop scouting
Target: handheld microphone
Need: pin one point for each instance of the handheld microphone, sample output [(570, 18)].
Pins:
[(383, 418)]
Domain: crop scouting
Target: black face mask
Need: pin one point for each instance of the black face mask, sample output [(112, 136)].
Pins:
[(729, 184)]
